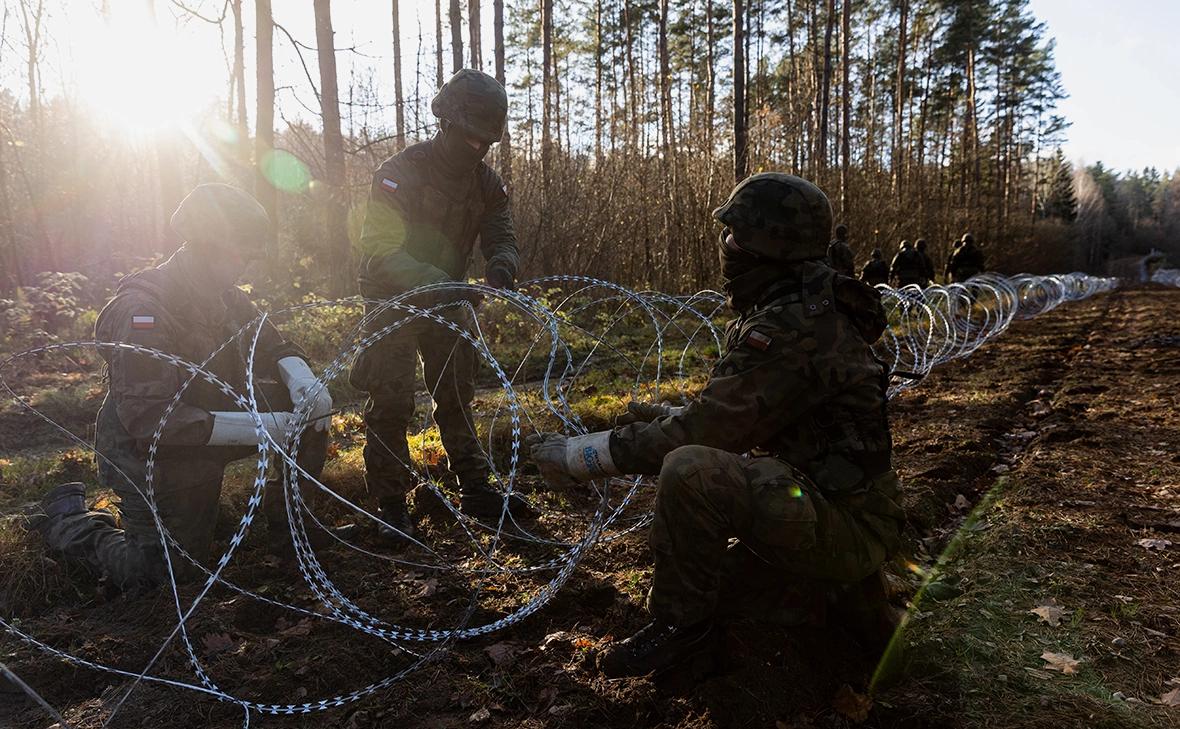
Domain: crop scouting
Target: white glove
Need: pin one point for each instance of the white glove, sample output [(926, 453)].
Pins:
[(300, 382), (236, 428), (563, 460), (646, 412)]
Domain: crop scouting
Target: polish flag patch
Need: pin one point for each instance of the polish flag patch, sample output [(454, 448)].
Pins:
[(143, 322), (388, 184), (758, 340)]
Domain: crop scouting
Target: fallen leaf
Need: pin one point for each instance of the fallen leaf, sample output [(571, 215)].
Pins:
[(1157, 544), (429, 587), (218, 643), (851, 704), (560, 709), (303, 627), (961, 502), (1172, 698), (1050, 612), (502, 653), (1060, 662), (481, 715)]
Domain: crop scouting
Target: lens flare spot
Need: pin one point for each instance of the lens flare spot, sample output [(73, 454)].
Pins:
[(285, 171)]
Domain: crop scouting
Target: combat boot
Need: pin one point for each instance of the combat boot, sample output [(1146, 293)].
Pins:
[(864, 609), (63, 500), (481, 502), (660, 647), (394, 513)]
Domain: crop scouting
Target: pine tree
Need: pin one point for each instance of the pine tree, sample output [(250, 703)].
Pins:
[(1061, 202)]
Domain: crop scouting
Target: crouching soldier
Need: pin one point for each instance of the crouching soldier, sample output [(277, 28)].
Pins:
[(188, 307), (787, 449)]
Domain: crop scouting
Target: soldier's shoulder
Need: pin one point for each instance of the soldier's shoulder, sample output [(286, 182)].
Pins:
[(405, 166), (490, 183)]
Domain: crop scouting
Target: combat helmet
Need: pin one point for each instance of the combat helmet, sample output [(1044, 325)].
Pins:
[(475, 102), (967, 238), (779, 217), (218, 216)]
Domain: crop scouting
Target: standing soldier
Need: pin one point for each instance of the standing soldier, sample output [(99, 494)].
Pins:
[(927, 263), (967, 260), (955, 245), (428, 206), (907, 267), (187, 306), (876, 271), (840, 253), (798, 388)]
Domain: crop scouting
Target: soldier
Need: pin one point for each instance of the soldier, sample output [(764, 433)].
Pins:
[(907, 267), (187, 306), (955, 245), (967, 260), (799, 390), (876, 271), (840, 253), (427, 207), (927, 262)]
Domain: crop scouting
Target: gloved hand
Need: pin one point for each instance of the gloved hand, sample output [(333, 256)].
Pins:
[(646, 412), (500, 276), (301, 383), (564, 461), (236, 427)]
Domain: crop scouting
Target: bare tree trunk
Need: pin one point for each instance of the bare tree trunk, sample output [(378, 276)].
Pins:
[(598, 51), (498, 35), (456, 18), (546, 87), (438, 44), (336, 221), (846, 103), (899, 94), (971, 128), (711, 81), (632, 81), (240, 74), (740, 152), (399, 100), (826, 94), (264, 134), (474, 29), (665, 81)]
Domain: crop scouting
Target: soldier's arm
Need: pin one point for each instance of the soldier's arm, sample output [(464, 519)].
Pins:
[(384, 232), (762, 384), (497, 238), (141, 386), (272, 345)]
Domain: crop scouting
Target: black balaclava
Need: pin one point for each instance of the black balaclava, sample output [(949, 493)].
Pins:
[(746, 277), (456, 156)]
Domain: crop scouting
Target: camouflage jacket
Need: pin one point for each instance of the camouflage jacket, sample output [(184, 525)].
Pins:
[(797, 381), (907, 267), (840, 257), (162, 308), (875, 272), (421, 227), (966, 262)]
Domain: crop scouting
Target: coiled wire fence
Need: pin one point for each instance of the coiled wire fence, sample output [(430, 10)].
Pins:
[(548, 349)]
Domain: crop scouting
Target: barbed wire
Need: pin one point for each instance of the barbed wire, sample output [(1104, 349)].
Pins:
[(570, 335)]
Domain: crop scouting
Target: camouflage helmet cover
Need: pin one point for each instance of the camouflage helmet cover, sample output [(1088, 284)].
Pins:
[(221, 216), (475, 102), (967, 238), (779, 217)]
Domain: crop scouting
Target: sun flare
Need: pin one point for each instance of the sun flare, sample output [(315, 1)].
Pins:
[(141, 75)]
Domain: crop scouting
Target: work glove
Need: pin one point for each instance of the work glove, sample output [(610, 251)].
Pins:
[(236, 427), (500, 276), (646, 412), (565, 461), (301, 383)]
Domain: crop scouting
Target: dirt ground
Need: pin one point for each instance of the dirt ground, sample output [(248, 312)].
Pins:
[(1042, 480)]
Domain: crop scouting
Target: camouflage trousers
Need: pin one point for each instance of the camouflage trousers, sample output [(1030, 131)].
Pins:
[(387, 371), (187, 485), (707, 496)]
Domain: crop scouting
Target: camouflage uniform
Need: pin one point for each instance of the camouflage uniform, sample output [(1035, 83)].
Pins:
[(907, 267), (876, 271), (840, 257), (927, 262), (425, 213), (164, 309), (966, 261), (799, 390)]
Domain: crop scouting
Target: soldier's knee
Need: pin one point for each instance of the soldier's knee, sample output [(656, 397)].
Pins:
[(679, 467), (390, 407)]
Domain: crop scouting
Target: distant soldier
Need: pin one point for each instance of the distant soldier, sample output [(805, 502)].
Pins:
[(927, 262), (187, 306), (876, 271), (955, 246), (840, 253), (429, 205), (967, 260), (907, 267)]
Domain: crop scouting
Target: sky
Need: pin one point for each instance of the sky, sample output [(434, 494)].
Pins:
[(1119, 63)]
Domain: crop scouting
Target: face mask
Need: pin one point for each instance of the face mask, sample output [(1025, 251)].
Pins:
[(734, 261), (457, 154)]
